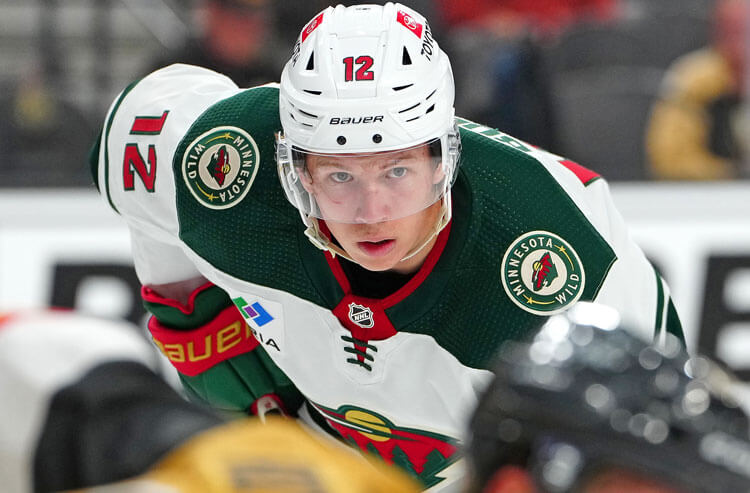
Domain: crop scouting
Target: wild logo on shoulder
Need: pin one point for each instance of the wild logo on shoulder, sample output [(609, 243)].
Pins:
[(219, 167), (541, 273)]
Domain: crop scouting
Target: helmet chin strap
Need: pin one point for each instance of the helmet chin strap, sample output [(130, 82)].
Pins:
[(322, 241)]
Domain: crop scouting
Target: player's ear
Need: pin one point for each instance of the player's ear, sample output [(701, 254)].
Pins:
[(510, 479), (306, 179), (439, 174)]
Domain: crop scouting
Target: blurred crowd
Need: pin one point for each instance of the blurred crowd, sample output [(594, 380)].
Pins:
[(634, 89)]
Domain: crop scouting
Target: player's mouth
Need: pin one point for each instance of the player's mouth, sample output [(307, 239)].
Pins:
[(377, 248)]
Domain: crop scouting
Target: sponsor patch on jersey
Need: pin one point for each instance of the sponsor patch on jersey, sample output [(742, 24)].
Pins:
[(265, 333), (542, 273), (254, 311), (219, 166), (361, 315)]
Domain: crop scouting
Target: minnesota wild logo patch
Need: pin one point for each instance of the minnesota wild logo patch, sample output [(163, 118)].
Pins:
[(542, 273), (219, 166), (423, 454)]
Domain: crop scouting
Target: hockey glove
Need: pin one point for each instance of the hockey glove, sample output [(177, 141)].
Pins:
[(217, 356)]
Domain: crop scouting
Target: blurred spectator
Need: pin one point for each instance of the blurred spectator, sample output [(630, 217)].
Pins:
[(507, 87), (236, 38), (513, 17), (698, 128), (44, 139), (249, 40)]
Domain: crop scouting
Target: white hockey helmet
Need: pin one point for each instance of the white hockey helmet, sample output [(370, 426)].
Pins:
[(366, 80)]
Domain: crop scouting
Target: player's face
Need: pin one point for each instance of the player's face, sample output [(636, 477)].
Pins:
[(379, 207), (730, 31)]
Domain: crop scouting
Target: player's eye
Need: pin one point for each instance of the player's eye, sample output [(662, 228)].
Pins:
[(340, 177), (397, 172)]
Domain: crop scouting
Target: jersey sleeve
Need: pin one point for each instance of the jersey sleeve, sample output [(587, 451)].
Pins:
[(632, 285), (133, 168)]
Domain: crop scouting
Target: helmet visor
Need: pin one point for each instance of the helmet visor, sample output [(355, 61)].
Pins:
[(365, 188)]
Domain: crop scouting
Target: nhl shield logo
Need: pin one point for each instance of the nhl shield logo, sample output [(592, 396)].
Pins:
[(542, 273), (361, 315), (219, 166)]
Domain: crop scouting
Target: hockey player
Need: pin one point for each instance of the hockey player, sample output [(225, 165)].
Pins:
[(584, 407), (425, 241), (94, 415)]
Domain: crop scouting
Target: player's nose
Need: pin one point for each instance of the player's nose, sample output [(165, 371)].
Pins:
[(373, 205)]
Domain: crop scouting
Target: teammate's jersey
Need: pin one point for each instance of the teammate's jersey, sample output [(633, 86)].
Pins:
[(187, 159)]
